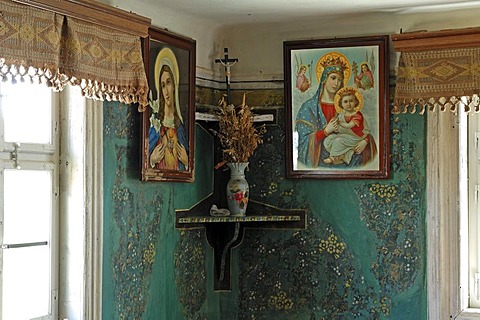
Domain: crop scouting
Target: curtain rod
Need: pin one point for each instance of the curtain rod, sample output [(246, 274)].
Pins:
[(433, 40), (97, 13)]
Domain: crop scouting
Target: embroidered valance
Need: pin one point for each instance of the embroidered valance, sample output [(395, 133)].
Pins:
[(438, 70), (51, 48)]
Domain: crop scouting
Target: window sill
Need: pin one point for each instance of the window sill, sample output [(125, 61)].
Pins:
[(469, 314)]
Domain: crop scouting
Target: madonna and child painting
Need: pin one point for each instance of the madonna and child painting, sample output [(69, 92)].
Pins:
[(336, 101)]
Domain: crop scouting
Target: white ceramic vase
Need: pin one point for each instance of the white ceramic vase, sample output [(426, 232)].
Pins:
[(237, 189)]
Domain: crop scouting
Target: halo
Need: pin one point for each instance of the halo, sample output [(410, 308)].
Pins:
[(359, 96), (301, 66), (167, 57), (365, 62), (333, 55)]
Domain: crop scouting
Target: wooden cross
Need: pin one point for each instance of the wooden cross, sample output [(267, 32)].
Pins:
[(227, 63)]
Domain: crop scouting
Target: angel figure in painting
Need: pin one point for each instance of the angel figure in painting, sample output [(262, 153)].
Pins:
[(167, 138), (303, 83), (364, 80)]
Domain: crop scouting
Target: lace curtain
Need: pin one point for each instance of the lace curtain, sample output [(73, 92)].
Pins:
[(43, 46)]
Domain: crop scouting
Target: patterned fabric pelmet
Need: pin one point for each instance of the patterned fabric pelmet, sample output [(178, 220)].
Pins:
[(42, 46), (438, 78)]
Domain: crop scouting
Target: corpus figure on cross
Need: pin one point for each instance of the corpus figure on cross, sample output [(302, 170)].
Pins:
[(227, 63)]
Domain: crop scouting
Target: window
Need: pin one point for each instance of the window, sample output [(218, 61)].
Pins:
[(450, 197), (29, 214), (50, 183), (474, 211)]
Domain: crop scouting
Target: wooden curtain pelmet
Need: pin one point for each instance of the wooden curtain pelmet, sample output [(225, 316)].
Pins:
[(39, 44), (438, 70)]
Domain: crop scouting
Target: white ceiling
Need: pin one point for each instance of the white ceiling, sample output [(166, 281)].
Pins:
[(264, 11)]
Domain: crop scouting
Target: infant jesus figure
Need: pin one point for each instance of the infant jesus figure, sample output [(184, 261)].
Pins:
[(342, 144)]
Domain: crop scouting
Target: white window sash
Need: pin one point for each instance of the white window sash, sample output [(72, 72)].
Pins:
[(82, 204), (94, 217), (447, 220)]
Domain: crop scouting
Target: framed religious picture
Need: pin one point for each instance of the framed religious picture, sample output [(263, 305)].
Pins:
[(336, 102), (169, 123)]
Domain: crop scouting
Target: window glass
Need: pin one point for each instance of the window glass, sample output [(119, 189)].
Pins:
[(27, 219), (28, 206), (27, 112), (474, 202), (26, 279)]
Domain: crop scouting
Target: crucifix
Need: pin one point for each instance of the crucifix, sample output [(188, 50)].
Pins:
[(227, 63)]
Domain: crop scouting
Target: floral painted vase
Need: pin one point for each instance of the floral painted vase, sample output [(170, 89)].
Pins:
[(237, 189)]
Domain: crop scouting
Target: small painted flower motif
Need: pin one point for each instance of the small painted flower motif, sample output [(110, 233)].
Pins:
[(238, 196), (332, 246), (280, 301), (149, 254)]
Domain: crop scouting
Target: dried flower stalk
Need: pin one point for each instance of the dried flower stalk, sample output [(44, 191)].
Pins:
[(237, 134)]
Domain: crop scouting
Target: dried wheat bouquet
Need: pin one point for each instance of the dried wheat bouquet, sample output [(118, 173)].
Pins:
[(237, 134)]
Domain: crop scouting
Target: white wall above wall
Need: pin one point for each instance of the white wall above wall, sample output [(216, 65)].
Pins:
[(202, 31), (259, 47)]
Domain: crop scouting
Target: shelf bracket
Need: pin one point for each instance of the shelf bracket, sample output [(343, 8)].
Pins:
[(225, 233), (226, 251)]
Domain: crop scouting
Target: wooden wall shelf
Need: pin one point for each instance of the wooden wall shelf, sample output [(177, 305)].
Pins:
[(225, 233)]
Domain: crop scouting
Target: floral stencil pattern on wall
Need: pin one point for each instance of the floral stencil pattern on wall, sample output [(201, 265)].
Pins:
[(304, 275), (134, 259), (190, 277), (137, 226), (390, 210), (313, 273)]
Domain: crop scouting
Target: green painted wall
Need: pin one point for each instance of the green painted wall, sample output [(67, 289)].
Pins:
[(362, 255), (140, 260)]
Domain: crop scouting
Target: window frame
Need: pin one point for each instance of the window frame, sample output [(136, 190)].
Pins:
[(90, 163), (89, 286), (447, 218)]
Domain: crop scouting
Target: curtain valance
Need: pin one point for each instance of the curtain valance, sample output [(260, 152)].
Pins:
[(44, 46), (438, 70)]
